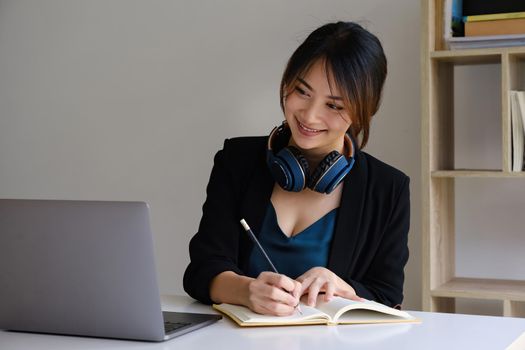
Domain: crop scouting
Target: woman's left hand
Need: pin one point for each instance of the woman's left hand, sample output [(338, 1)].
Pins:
[(320, 279)]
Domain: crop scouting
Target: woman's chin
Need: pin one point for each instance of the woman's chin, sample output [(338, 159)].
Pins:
[(307, 145), (307, 140)]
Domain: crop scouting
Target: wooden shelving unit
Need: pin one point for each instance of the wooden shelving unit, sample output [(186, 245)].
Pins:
[(441, 286)]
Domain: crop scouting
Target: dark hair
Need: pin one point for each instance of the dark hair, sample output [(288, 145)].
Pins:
[(358, 64)]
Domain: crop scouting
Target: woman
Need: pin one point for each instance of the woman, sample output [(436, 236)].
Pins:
[(333, 219)]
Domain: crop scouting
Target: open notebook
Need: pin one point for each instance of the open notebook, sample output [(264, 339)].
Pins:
[(336, 311)]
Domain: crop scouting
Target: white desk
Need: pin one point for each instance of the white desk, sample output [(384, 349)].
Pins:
[(438, 331)]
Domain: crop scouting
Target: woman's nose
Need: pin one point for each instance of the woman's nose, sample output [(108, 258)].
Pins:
[(313, 111)]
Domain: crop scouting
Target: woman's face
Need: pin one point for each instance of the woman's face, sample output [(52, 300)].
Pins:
[(315, 113)]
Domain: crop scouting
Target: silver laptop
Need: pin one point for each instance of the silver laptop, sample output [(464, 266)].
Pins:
[(83, 268)]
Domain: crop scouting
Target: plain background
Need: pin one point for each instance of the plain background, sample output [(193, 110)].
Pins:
[(130, 100)]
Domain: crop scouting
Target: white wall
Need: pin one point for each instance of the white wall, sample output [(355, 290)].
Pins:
[(129, 100)]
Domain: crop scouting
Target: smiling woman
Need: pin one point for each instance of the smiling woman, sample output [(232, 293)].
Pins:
[(332, 218)]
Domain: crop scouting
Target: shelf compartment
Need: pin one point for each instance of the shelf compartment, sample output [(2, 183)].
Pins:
[(452, 139), (481, 288), (476, 173)]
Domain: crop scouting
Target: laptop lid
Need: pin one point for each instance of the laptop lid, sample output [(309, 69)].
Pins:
[(80, 268)]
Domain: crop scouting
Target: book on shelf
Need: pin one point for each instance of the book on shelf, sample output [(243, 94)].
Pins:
[(495, 27), (336, 311), (482, 42), (481, 7), (452, 19), (494, 17), (517, 116)]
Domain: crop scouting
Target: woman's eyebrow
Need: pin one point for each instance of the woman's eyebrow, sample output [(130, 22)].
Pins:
[(338, 98), (306, 84)]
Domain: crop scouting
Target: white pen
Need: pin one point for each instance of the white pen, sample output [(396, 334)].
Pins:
[(261, 249)]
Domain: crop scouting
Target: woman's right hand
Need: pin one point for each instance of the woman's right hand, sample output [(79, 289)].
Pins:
[(273, 294)]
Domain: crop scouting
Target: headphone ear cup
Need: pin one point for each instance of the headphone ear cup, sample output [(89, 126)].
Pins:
[(303, 163), (290, 169), (329, 173)]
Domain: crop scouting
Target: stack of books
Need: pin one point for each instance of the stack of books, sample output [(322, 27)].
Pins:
[(517, 111), (483, 24), (495, 24)]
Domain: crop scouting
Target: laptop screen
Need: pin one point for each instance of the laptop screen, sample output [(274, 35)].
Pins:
[(79, 267)]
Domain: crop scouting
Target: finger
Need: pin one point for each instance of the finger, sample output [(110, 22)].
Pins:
[(260, 289), (267, 300), (278, 280), (352, 296), (267, 276), (329, 291), (286, 283), (301, 278), (305, 284), (291, 288), (306, 275), (356, 298), (277, 309), (284, 297), (297, 290), (271, 292), (313, 291)]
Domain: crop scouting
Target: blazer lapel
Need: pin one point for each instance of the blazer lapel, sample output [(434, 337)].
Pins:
[(257, 198), (347, 230)]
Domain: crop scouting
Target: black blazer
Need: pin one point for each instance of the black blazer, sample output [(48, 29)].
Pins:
[(369, 248)]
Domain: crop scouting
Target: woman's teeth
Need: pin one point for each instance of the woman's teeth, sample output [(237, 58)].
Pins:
[(308, 129)]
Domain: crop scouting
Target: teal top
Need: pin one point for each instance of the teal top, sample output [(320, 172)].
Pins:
[(292, 256)]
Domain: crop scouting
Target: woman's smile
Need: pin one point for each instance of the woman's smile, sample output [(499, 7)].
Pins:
[(306, 130)]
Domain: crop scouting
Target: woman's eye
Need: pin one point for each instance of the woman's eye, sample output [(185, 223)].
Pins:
[(334, 107), (300, 91)]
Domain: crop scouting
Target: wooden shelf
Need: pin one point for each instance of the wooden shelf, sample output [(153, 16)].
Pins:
[(477, 56), (440, 284), (475, 288), (495, 51), (467, 56), (477, 173)]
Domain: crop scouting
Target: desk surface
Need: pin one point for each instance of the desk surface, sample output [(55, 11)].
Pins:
[(437, 331)]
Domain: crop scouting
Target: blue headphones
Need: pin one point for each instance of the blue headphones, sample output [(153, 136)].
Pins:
[(291, 171)]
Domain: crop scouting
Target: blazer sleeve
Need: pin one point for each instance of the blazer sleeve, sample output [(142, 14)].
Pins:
[(384, 278), (214, 248)]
